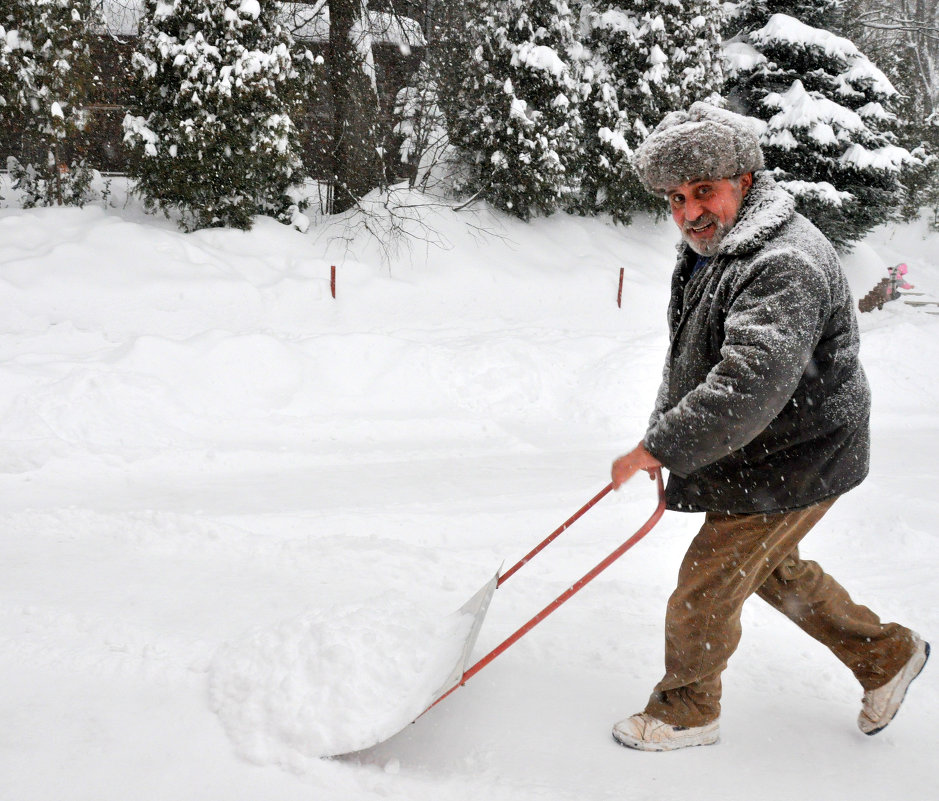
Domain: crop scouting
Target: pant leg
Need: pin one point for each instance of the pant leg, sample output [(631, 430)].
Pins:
[(821, 607), (728, 560)]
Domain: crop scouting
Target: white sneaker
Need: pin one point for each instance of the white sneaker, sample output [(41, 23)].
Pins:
[(646, 733), (880, 705)]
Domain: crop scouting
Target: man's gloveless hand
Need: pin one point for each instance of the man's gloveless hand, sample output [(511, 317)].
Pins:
[(631, 463)]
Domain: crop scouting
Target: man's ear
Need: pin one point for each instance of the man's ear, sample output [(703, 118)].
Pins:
[(746, 181)]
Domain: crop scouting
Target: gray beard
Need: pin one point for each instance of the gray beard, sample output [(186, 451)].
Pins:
[(711, 248)]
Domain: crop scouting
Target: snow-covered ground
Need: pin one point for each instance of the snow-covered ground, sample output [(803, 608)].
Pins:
[(207, 461)]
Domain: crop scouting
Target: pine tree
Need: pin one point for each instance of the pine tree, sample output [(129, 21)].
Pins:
[(829, 131), (9, 42), (650, 57), (678, 53), (609, 183), (216, 83), (45, 72), (515, 113), (752, 14)]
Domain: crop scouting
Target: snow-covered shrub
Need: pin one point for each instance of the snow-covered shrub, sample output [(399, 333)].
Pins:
[(215, 140), (647, 58), (675, 57), (515, 113), (828, 129), (45, 72), (608, 182)]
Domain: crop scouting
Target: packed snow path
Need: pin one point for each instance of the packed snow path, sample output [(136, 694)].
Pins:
[(200, 443)]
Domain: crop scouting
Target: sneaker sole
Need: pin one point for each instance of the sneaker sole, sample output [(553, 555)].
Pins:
[(872, 732), (639, 745)]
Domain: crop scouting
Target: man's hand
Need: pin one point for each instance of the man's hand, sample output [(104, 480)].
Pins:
[(631, 463)]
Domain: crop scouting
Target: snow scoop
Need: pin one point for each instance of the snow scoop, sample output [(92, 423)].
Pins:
[(479, 603)]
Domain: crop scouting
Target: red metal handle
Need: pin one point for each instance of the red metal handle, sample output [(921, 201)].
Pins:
[(574, 588), (556, 533)]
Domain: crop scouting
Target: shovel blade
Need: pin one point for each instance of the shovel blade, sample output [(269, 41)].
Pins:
[(477, 606)]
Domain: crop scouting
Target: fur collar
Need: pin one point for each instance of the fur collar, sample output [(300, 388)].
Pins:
[(765, 209)]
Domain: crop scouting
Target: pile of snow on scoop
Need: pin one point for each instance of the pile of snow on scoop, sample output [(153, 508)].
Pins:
[(333, 681)]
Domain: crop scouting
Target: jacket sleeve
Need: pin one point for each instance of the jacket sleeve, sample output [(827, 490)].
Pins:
[(661, 399), (774, 319)]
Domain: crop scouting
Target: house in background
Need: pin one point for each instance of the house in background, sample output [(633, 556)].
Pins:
[(397, 46)]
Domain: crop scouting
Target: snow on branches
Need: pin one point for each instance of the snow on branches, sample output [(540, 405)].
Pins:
[(45, 73), (644, 59), (215, 138), (828, 131), (517, 116)]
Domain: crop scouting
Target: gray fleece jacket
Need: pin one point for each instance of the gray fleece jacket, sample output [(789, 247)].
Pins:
[(764, 405)]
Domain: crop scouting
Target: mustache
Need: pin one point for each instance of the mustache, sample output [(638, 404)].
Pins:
[(705, 218)]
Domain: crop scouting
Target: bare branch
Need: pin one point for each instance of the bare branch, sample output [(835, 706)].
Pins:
[(473, 199)]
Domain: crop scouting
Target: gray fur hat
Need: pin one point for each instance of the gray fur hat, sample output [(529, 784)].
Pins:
[(705, 142)]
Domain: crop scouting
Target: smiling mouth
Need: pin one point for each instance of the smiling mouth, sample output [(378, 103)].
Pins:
[(698, 230)]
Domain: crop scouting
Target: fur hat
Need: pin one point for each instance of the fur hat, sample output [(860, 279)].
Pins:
[(705, 142)]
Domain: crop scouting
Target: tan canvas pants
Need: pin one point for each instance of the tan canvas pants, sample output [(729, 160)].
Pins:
[(730, 558)]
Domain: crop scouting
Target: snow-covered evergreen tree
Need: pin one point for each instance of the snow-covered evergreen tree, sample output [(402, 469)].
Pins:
[(748, 15), (45, 71), (677, 55), (215, 140), (516, 112), (9, 41), (648, 58), (608, 183), (828, 126)]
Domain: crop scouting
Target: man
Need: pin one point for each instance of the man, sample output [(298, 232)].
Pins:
[(762, 421)]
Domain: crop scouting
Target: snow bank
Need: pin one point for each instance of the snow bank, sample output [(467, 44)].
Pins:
[(134, 338), (333, 681)]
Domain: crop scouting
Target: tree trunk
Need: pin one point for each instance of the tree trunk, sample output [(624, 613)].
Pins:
[(357, 164)]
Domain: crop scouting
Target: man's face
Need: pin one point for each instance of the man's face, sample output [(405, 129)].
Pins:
[(706, 210)]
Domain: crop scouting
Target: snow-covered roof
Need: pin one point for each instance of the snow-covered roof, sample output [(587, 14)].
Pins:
[(306, 22)]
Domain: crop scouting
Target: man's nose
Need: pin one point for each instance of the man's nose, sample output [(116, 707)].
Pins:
[(693, 209)]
